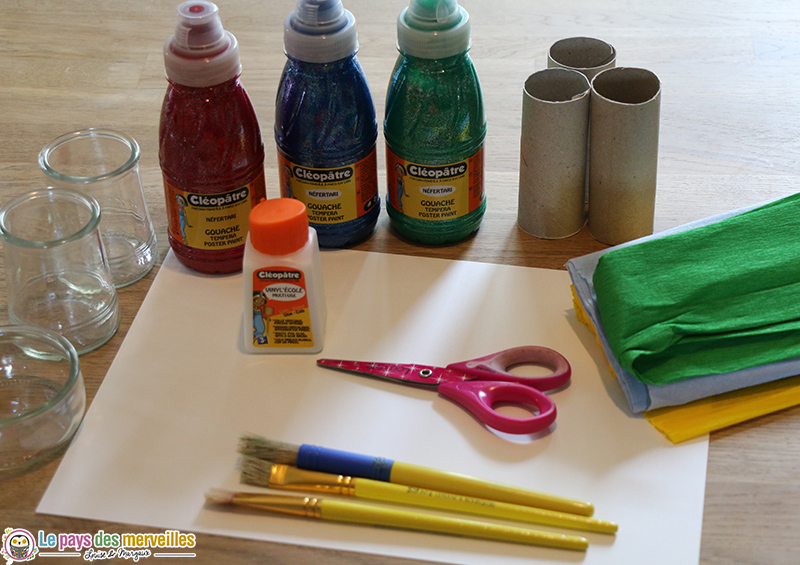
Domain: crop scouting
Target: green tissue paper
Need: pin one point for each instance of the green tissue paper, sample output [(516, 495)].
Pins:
[(711, 300)]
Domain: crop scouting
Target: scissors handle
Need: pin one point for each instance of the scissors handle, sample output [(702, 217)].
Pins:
[(495, 367), (480, 398)]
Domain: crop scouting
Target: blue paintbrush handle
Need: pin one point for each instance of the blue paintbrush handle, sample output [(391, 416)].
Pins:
[(314, 458)]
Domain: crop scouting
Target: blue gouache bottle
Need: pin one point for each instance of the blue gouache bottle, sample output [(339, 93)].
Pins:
[(325, 125)]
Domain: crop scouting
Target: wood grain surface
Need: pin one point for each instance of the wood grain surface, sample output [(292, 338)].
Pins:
[(730, 136)]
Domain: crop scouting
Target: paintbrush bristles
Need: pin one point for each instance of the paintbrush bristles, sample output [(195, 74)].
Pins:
[(262, 448), (255, 472), (220, 496)]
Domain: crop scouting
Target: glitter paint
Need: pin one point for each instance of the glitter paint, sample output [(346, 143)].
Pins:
[(434, 129), (210, 149), (325, 124), (210, 145), (325, 120), (434, 117)]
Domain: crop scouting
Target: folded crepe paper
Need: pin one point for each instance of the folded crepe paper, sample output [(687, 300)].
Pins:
[(715, 299), (643, 396), (703, 416), (681, 423)]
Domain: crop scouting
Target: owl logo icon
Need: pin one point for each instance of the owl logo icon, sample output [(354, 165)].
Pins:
[(18, 545)]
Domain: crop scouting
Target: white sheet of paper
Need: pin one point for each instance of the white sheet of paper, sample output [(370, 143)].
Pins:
[(164, 426)]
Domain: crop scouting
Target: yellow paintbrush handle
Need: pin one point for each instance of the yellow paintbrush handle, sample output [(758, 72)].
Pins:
[(445, 481), (272, 475), (345, 511), (399, 494)]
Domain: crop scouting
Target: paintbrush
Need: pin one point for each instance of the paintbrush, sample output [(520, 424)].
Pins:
[(314, 458), (261, 473), (356, 513)]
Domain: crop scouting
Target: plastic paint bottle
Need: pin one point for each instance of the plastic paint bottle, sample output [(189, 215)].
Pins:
[(434, 127), (325, 125), (210, 148), (284, 298)]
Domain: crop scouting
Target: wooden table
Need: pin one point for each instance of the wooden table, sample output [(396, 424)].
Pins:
[(730, 136)]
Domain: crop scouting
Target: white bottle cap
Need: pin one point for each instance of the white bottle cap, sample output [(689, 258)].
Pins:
[(433, 29), (320, 31), (201, 53)]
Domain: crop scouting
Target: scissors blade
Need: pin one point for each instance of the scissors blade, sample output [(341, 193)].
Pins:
[(417, 375)]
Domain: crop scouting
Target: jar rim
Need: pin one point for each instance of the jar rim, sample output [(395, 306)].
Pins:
[(58, 142), (51, 194), (59, 344)]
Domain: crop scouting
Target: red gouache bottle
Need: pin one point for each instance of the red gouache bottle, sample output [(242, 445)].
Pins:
[(210, 148)]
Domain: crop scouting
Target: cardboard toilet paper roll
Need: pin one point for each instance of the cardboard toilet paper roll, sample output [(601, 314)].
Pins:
[(623, 154), (555, 121), (586, 55)]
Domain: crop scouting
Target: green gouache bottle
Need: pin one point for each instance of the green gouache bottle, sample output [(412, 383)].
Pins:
[(434, 127)]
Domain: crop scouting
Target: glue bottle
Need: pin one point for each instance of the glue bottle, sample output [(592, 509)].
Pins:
[(325, 125), (210, 148), (434, 127), (284, 299)]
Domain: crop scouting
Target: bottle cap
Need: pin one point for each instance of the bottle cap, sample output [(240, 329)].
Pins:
[(201, 53), (278, 226), (433, 29), (320, 31)]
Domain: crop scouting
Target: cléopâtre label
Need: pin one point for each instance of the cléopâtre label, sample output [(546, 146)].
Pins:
[(435, 192), (281, 316), (335, 195), (212, 221)]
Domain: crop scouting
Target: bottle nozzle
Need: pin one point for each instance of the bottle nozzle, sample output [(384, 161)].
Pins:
[(434, 13), (199, 29), (320, 31), (201, 52), (319, 16), (433, 29)]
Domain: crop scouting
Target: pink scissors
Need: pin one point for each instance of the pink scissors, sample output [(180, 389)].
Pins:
[(479, 384)]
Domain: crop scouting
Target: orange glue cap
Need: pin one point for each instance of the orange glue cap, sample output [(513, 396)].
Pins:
[(278, 226)]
